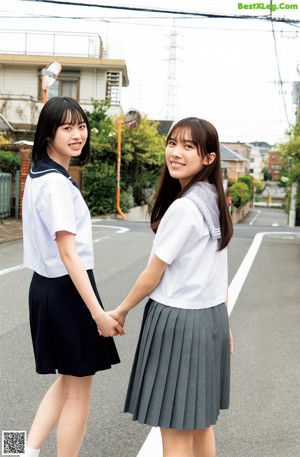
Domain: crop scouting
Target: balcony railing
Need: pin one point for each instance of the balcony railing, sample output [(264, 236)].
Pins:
[(51, 44)]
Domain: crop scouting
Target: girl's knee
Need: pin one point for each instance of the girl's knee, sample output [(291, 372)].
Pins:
[(77, 388)]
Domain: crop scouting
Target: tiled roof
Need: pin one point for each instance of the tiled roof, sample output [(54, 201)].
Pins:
[(229, 154)]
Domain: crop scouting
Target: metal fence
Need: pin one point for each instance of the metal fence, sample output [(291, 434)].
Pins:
[(5, 194)]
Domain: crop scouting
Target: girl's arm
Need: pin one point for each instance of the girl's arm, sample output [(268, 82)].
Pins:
[(146, 282), (106, 324), (230, 334)]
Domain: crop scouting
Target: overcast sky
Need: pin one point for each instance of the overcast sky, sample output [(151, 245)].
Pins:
[(226, 69)]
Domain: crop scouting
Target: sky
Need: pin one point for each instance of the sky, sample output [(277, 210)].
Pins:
[(224, 70)]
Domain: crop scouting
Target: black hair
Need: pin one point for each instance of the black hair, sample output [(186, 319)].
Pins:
[(54, 113), (205, 137)]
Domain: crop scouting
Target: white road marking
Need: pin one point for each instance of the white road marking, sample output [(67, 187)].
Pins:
[(97, 240), (11, 269), (258, 212), (152, 445), (119, 229)]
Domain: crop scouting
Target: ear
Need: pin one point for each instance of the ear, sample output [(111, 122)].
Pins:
[(209, 158)]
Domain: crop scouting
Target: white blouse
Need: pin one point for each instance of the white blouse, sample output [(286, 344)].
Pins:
[(197, 275), (51, 203)]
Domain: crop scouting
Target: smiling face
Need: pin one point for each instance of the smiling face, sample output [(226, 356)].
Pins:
[(183, 158), (68, 141)]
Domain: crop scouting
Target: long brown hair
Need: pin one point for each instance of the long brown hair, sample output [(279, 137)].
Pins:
[(205, 137)]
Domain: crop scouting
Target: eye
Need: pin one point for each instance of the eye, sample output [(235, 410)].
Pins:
[(171, 143), (189, 146), (82, 126)]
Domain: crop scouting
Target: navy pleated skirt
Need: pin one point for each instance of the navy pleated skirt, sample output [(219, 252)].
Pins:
[(64, 335), (181, 372)]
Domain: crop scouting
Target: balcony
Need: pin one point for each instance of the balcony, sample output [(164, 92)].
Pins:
[(51, 44)]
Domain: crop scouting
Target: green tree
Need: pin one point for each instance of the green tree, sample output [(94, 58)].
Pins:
[(142, 159), (240, 194), (290, 153), (248, 180), (9, 163), (267, 174)]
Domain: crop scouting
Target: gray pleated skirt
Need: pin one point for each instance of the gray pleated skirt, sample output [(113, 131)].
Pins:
[(181, 371)]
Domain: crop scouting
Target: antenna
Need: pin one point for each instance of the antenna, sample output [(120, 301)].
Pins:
[(49, 76)]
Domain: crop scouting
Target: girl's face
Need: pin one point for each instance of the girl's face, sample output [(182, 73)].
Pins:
[(183, 158), (68, 141)]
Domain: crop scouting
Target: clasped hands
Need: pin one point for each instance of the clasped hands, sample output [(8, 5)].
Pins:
[(112, 323)]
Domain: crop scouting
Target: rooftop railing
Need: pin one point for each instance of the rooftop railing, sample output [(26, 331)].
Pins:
[(51, 44)]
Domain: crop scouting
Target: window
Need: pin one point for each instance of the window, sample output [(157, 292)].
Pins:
[(113, 87), (67, 85)]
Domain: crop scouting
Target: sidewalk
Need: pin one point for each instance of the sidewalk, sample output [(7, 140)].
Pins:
[(11, 229)]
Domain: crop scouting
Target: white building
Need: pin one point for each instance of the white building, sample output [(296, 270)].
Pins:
[(86, 74), (256, 164)]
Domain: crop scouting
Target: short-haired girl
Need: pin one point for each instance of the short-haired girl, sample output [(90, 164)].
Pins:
[(64, 304), (181, 370)]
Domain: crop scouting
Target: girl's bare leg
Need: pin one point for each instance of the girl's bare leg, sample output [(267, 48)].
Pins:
[(65, 403), (47, 415), (74, 414), (176, 443), (204, 444)]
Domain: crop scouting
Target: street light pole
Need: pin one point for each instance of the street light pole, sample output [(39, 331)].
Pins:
[(118, 192)]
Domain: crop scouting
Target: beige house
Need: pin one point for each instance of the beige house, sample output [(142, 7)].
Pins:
[(86, 73), (244, 150), (236, 163)]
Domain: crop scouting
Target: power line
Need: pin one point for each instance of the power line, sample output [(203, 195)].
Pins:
[(278, 68), (165, 11), (133, 19)]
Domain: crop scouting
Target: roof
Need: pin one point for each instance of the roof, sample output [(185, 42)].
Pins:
[(230, 155)]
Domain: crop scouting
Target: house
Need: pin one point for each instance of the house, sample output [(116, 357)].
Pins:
[(237, 163), (243, 149), (256, 164), (86, 73), (275, 164)]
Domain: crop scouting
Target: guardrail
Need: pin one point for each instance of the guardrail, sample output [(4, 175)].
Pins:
[(5, 194)]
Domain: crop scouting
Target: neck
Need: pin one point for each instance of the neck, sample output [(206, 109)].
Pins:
[(63, 161)]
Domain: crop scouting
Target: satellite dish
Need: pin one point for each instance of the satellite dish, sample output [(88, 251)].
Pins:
[(50, 74)]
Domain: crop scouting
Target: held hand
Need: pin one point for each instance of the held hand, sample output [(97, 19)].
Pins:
[(108, 326), (118, 315)]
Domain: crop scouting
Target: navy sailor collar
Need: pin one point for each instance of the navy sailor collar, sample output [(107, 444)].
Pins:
[(45, 166)]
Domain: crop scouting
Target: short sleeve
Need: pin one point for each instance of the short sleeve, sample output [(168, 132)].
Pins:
[(179, 230), (56, 205)]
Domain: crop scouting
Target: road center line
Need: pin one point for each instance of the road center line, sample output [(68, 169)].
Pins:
[(152, 445)]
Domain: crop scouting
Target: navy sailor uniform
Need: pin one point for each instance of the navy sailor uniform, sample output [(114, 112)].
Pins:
[(64, 334)]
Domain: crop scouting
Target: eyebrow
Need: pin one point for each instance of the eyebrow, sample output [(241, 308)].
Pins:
[(184, 140)]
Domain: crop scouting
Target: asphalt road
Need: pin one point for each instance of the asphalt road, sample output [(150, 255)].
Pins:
[(263, 419)]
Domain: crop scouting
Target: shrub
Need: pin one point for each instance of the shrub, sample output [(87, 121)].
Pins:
[(240, 194), (9, 163)]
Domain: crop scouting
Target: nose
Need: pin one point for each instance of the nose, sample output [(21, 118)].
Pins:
[(176, 151), (76, 133)]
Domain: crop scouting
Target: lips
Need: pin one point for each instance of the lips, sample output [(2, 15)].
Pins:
[(177, 164), (75, 146)]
